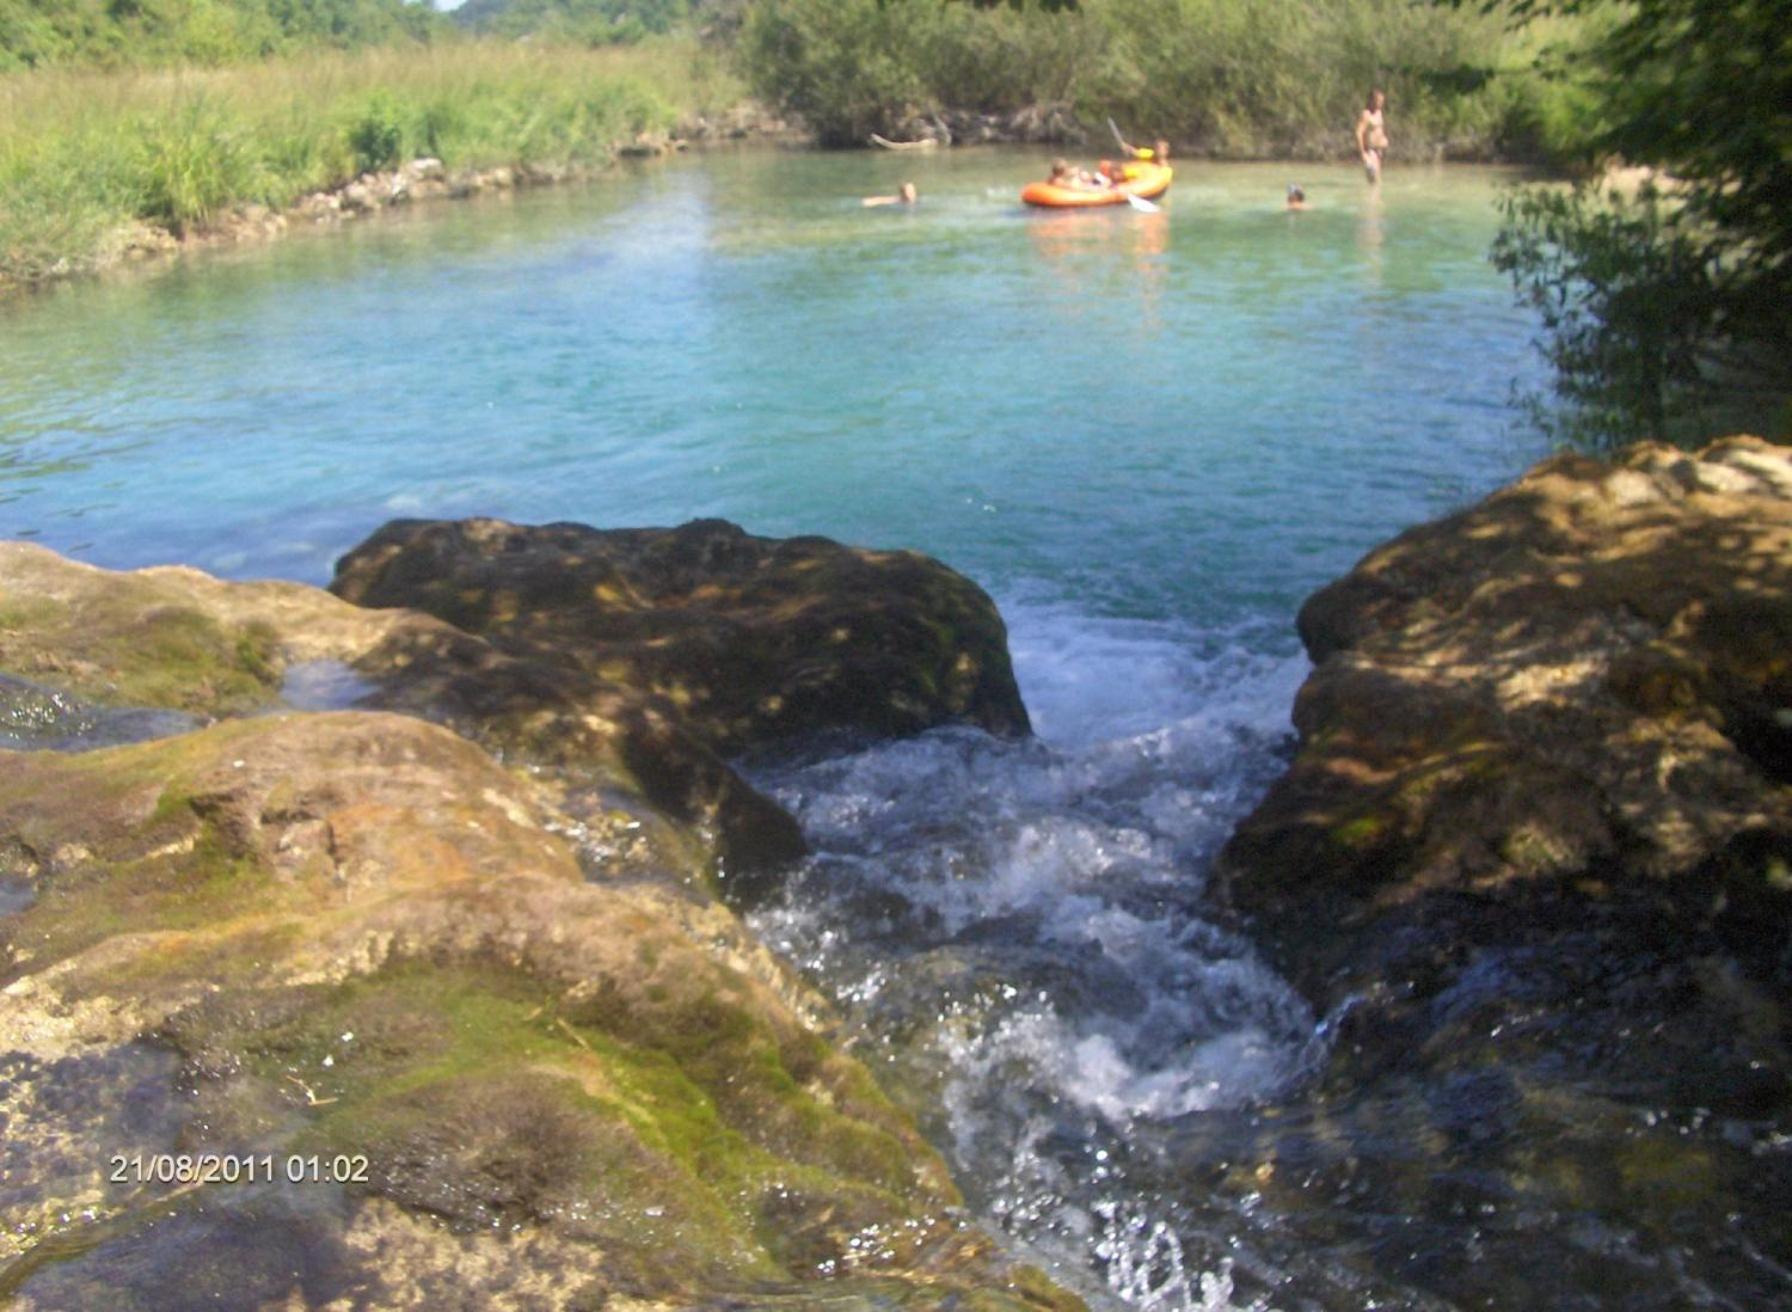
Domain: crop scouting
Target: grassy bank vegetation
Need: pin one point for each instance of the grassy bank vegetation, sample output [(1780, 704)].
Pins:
[(84, 152), (138, 33), (1221, 77)]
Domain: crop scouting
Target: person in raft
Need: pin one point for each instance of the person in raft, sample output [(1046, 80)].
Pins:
[(1372, 135), (1297, 196), (905, 195), (1158, 152), (1064, 174)]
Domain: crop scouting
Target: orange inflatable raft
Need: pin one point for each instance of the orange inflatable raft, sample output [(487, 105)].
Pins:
[(1146, 181)]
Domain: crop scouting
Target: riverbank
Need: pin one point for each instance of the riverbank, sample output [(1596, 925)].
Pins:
[(98, 168)]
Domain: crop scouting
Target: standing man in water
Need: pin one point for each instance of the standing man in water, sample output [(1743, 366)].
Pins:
[(1371, 135)]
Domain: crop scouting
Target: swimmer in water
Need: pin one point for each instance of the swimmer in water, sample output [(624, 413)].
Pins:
[(905, 195)]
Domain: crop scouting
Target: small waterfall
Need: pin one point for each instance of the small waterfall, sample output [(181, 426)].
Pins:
[(1016, 932)]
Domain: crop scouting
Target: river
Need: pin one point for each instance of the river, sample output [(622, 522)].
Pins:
[(1148, 435)]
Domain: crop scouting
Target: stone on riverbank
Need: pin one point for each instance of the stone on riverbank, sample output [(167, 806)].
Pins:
[(1533, 858), (353, 935), (1590, 670), (753, 640), (489, 962)]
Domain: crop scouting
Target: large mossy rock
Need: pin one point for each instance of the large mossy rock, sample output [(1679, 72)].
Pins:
[(639, 660), (751, 640), (573, 1080), (1532, 863), (1591, 669), (480, 961), (177, 639)]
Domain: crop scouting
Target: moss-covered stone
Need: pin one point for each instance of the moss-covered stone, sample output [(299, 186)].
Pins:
[(355, 936), (1523, 861), (179, 639)]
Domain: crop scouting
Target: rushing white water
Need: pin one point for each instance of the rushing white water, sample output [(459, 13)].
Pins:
[(1018, 927)]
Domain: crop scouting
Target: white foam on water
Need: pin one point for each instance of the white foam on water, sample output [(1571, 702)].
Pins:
[(1030, 917)]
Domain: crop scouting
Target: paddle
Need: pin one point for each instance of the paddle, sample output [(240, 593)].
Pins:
[(1115, 129), (1140, 204)]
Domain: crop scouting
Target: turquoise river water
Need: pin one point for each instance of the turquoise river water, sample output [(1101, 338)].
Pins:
[(1150, 436)]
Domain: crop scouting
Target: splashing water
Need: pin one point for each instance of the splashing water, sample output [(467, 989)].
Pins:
[(1016, 931)]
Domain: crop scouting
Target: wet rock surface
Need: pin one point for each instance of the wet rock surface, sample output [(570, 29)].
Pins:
[(751, 639), (34, 717), (639, 660), (1533, 859), (499, 992), (1586, 676)]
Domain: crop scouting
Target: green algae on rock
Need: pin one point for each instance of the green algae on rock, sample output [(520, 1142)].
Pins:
[(356, 934)]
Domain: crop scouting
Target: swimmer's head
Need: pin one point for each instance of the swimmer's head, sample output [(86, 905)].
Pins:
[(1377, 98), (908, 193)]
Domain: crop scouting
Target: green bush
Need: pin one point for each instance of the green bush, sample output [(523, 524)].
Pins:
[(1226, 77), (847, 67), (51, 33), (1666, 312), (377, 137)]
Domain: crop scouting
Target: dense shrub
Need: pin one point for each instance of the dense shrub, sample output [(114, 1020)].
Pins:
[(49, 33), (1268, 77), (1667, 310), (377, 136)]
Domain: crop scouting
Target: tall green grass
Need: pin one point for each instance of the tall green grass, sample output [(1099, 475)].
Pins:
[(1225, 77), (146, 33), (84, 153)]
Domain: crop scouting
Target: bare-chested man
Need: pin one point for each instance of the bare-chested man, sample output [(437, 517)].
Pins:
[(1372, 134)]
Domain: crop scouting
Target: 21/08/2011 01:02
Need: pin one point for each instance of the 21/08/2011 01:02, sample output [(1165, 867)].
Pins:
[(232, 1168)]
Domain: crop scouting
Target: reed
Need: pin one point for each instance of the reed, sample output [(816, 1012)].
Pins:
[(85, 152)]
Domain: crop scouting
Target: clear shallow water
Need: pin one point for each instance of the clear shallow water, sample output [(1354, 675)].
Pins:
[(1196, 415), (1150, 437)]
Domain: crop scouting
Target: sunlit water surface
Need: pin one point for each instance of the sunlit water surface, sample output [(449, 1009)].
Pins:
[(1148, 435)]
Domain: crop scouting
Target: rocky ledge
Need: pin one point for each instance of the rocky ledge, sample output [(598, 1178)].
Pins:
[(474, 973), (1533, 856), (1587, 676)]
